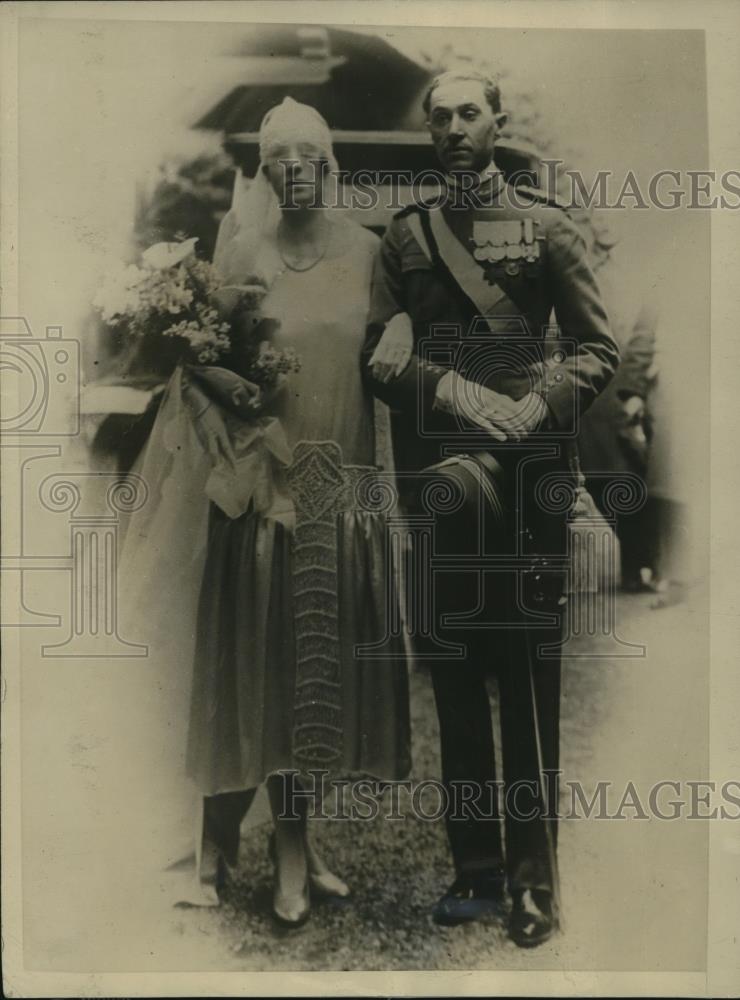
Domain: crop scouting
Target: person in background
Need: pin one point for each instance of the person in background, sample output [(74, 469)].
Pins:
[(614, 433)]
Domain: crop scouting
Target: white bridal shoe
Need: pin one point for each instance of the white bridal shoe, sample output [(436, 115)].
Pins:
[(322, 881), (293, 910)]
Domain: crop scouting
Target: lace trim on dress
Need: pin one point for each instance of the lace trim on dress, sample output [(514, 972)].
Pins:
[(322, 487)]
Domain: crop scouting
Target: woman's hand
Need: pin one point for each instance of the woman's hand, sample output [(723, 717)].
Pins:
[(394, 349), (230, 390)]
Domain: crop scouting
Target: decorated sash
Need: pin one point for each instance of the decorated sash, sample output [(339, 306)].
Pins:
[(512, 247), (464, 269), (500, 247)]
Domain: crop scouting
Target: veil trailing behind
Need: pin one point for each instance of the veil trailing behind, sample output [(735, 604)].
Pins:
[(162, 560), (160, 571)]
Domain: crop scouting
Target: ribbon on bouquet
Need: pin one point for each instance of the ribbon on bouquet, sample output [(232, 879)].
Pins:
[(261, 451), (253, 477)]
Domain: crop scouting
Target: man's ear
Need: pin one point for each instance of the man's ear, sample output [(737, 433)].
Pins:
[(501, 118)]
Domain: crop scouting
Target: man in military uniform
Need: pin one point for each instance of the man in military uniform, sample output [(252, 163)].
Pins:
[(488, 407)]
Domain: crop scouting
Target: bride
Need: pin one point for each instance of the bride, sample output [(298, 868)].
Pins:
[(268, 572)]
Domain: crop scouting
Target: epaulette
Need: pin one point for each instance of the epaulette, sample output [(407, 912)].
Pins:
[(537, 194)]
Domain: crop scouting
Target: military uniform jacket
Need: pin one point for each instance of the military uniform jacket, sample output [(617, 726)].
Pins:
[(482, 286)]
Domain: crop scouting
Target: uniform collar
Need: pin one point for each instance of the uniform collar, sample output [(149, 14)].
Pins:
[(487, 189)]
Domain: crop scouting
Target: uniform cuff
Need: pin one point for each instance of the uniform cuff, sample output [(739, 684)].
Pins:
[(444, 392)]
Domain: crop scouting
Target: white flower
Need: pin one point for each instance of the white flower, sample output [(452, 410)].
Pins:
[(119, 291), (163, 255)]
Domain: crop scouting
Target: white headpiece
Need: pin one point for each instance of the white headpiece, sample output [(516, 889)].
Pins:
[(292, 120), (255, 211)]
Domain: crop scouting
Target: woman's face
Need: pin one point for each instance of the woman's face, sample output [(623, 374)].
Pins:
[(295, 171)]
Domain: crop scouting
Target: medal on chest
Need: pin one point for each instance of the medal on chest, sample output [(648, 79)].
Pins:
[(506, 247)]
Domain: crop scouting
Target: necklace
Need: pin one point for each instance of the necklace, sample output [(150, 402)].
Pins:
[(314, 262)]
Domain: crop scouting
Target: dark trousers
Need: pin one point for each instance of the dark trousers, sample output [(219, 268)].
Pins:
[(635, 531), (476, 521)]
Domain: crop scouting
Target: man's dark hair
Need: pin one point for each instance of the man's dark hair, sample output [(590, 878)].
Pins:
[(490, 87)]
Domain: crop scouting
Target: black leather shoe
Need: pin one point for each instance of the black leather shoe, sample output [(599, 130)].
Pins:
[(531, 921), (471, 897)]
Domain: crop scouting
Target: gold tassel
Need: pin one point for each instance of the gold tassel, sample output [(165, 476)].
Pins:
[(593, 546)]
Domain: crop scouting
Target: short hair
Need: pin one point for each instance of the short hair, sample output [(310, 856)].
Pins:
[(490, 87)]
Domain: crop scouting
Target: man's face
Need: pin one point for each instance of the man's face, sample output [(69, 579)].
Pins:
[(462, 125)]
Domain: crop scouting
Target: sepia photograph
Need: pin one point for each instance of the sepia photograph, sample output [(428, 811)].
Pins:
[(363, 517)]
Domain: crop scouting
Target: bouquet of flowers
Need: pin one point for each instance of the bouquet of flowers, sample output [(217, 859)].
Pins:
[(170, 309), (162, 310), (172, 321)]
